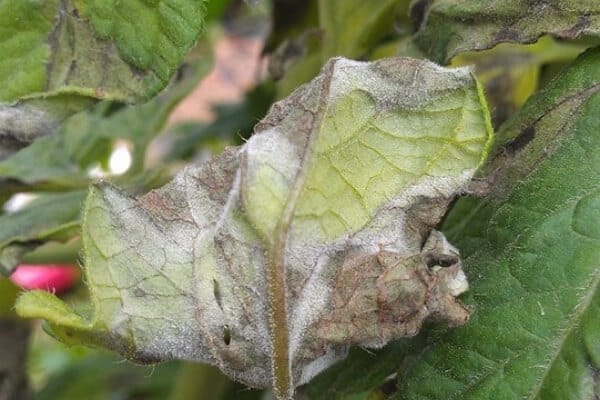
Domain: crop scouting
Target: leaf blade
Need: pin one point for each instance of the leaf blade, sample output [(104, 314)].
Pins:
[(220, 265)]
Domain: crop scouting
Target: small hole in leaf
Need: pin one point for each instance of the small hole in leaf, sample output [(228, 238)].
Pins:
[(443, 260), (389, 387), (217, 293), (226, 335)]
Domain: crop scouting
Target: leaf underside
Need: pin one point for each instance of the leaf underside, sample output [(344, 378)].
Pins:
[(271, 259)]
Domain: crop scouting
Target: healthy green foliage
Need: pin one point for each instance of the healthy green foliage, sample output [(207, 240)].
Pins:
[(102, 377)]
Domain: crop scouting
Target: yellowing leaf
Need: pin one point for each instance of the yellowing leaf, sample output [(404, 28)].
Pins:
[(272, 259)]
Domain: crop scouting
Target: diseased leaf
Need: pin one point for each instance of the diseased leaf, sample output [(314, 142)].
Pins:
[(49, 217), (447, 28), (64, 54), (532, 255), (106, 49), (23, 122), (270, 260)]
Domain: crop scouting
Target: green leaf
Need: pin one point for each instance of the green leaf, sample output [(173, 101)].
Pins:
[(49, 217), (58, 56), (101, 377), (447, 28), (532, 254), (270, 260), (106, 49), (61, 161)]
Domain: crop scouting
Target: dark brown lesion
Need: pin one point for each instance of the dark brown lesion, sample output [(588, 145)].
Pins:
[(384, 296), (583, 23), (218, 174)]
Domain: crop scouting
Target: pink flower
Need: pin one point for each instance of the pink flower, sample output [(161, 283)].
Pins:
[(56, 278)]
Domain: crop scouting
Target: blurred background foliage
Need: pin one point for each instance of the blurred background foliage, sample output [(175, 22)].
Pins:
[(250, 55)]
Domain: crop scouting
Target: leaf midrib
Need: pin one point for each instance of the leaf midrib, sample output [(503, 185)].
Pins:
[(276, 273)]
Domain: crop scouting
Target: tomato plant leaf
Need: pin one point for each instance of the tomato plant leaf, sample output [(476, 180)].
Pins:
[(531, 254), (447, 28), (271, 259), (64, 54), (102, 376), (61, 162), (113, 50)]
